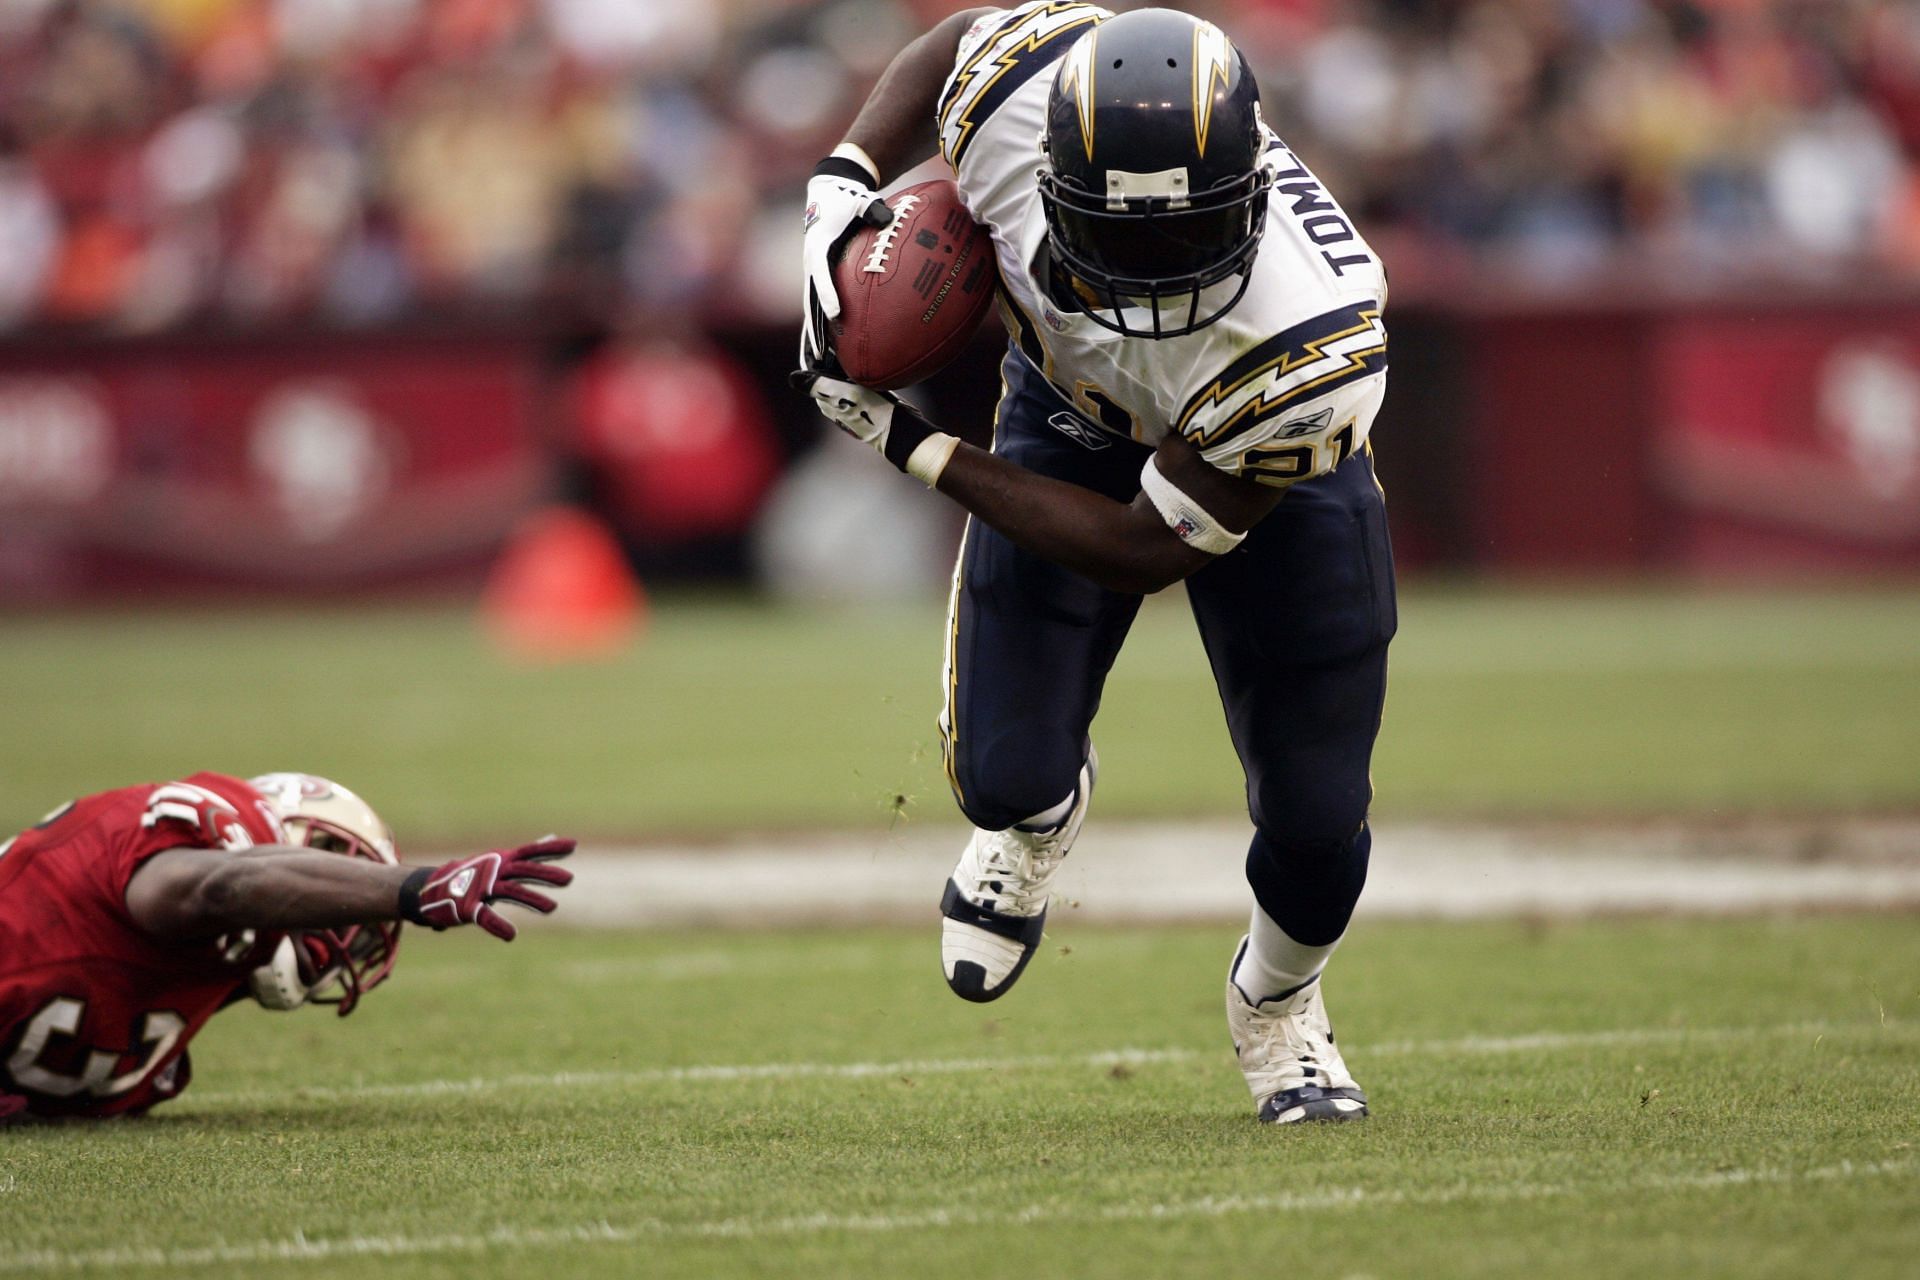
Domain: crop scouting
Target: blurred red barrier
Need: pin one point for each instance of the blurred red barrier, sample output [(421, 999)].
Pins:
[(264, 462), (1792, 441), (1772, 436)]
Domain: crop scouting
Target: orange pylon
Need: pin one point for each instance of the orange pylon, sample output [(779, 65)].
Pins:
[(562, 589)]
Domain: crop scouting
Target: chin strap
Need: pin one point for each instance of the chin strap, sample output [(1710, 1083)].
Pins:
[(277, 984)]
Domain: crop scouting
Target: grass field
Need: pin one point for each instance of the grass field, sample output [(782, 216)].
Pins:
[(732, 715), (1651, 1097), (1655, 1098)]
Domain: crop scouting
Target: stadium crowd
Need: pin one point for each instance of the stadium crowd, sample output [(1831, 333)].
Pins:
[(167, 161)]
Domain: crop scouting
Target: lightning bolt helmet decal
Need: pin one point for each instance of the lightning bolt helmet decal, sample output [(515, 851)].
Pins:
[(1076, 78), (1213, 67)]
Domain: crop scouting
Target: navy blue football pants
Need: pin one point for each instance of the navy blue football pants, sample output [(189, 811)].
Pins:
[(1295, 620)]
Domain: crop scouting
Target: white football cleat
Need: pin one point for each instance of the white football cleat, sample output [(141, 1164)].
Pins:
[(1286, 1052), (995, 902)]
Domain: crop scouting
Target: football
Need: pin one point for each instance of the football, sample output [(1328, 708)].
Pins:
[(914, 291)]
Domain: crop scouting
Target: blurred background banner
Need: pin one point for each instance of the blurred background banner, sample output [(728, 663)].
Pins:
[(325, 295), (162, 466)]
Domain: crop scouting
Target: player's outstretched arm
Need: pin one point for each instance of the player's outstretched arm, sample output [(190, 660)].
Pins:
[(186, 894), (1132, 547)]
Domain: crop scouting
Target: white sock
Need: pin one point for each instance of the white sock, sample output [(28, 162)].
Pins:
[(1273, 962)]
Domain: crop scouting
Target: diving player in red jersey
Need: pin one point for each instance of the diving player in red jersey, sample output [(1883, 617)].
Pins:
[(129, 918)]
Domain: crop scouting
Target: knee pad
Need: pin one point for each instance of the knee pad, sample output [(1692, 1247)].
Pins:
[(1309, 887), (1006, 784)]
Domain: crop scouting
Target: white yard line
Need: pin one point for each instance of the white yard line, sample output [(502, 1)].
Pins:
[(297, 1248), (724, 1073), (1155, 871)]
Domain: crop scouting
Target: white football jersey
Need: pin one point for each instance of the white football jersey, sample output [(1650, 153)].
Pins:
[(1283, 387)]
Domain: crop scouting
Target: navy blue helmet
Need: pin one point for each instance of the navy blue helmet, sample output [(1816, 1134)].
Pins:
[(1153, 185)]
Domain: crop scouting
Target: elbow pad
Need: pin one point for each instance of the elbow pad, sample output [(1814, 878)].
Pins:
[(1190, 522)]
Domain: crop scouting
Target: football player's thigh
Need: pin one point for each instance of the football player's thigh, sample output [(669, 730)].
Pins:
[(1030, 643), (1297, 624)]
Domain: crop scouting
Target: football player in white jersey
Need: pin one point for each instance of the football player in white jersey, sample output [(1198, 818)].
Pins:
[(1197, 356)]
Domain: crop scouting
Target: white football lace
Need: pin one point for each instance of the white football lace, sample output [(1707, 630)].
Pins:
[(1022, 871), (883, 243), (1283, 1045)]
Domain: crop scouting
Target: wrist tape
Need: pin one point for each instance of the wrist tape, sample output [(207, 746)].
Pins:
[(850, 162), (930, 457), (410, 895), (1190, 521), (916, 446), (905, 434)]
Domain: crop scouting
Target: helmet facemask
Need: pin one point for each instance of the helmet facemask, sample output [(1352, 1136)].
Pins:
[(1156, 252)]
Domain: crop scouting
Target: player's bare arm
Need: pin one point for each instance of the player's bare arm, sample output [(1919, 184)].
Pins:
[(895, 127), (1132, 547), (1126, 547), (188, 894)]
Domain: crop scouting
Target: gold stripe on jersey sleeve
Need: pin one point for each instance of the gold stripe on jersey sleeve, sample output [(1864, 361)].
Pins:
[(983, 84), (963, 76), (1279, 356)]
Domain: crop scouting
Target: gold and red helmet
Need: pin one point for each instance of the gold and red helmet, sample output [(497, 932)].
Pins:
[(327, 966)]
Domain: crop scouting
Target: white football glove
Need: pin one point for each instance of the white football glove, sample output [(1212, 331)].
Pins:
[(840, 199), (861, 412), (903, 438)]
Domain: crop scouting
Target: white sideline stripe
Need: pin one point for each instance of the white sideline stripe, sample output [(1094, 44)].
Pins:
[(722, 1073), (298, 1248), (1419, 871)]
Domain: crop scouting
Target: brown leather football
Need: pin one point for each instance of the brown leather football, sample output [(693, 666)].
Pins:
[(912, 292)]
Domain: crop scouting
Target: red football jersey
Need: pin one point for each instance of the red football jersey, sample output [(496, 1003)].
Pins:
[(95, 1015)]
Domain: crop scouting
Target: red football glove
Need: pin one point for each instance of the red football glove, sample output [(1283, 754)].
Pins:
[(463, 891)]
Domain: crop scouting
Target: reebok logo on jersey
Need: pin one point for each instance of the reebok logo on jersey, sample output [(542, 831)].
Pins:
[(1305, 426), (1078, 430)]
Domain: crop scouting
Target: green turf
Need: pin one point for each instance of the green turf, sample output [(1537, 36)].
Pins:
[(732, 715), (1701, 1099)]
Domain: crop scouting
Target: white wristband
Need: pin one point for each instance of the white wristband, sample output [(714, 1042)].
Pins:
[(930, 457), (856, 153), (1187, 518)]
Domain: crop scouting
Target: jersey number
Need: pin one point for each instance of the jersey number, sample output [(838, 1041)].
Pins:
[(1105, 410), (62, 1016), (1285, 463)]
